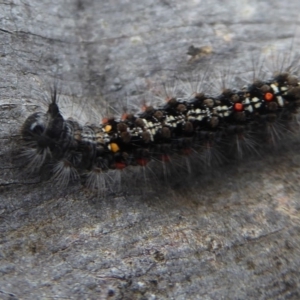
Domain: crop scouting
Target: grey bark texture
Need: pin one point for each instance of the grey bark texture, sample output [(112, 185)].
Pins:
[(233, 236)]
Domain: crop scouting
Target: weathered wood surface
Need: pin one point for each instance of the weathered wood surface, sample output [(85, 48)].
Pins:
[(233, 237)]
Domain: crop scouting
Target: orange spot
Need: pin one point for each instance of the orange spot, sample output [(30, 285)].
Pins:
[(104, 121), (269, 96), (142, 161), (120, 165), (114, 147), (107, 128), (165, 158), (238, 107), (124, 116)]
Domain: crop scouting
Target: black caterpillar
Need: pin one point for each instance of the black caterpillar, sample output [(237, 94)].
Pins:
[(178, 128)]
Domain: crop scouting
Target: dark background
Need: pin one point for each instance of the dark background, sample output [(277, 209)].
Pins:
[(232, 236)]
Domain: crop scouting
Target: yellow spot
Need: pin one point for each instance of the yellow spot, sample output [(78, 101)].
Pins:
[(107, 128), (114, 147)]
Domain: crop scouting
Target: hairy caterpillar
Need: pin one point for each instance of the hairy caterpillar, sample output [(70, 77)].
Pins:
[(201, 128), (234, 238)]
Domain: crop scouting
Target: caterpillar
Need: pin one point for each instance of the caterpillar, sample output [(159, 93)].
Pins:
[(185, 126)]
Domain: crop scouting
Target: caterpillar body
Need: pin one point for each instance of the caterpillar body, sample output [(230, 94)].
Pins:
[(183, 126)]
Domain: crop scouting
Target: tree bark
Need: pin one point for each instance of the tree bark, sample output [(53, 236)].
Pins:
[(233, 235)]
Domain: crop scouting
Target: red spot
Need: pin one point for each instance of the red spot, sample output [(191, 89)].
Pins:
[(269, 96), (120, 165), (142, 161), (238, 107), (165, 158)]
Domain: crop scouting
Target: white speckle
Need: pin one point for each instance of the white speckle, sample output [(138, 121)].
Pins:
[(136, 39), (141, 284)]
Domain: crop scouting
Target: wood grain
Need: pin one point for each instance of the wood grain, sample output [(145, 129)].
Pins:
[(233, 235)]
